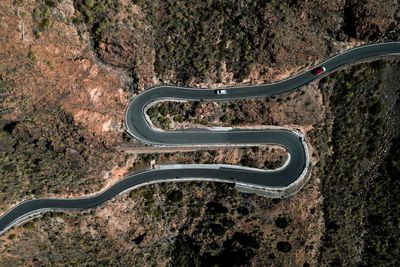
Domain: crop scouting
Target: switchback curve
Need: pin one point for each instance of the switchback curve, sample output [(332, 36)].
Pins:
[(139, 128)]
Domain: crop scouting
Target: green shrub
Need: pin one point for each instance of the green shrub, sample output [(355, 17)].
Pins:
[(29, 225)]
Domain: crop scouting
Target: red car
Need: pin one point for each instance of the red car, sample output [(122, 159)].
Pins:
[(318, 71)]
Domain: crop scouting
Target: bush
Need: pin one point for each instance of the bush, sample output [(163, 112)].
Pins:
[(175, 196), (29, 225), (284, 246), (281, 222)]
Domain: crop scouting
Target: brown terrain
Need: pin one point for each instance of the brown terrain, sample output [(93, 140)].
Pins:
[(67, 72)]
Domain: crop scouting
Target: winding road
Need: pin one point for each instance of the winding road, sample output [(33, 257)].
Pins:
[(138, 126)]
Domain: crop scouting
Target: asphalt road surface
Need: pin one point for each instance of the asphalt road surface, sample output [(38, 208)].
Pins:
[(139, 128)]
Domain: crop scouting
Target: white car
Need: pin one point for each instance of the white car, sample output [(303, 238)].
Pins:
[(221, 92)]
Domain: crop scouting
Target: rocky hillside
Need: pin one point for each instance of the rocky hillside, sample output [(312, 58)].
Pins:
[(69, 67)]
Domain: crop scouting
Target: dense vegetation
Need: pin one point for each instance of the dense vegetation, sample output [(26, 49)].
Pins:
[(204, 39), (362, 102), (195, 38), (97, 14), (45, 152), (382, 235)]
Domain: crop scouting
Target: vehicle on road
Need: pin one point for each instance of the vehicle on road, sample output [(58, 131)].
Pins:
[(279, 180), (319, 70), (221, 92)]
